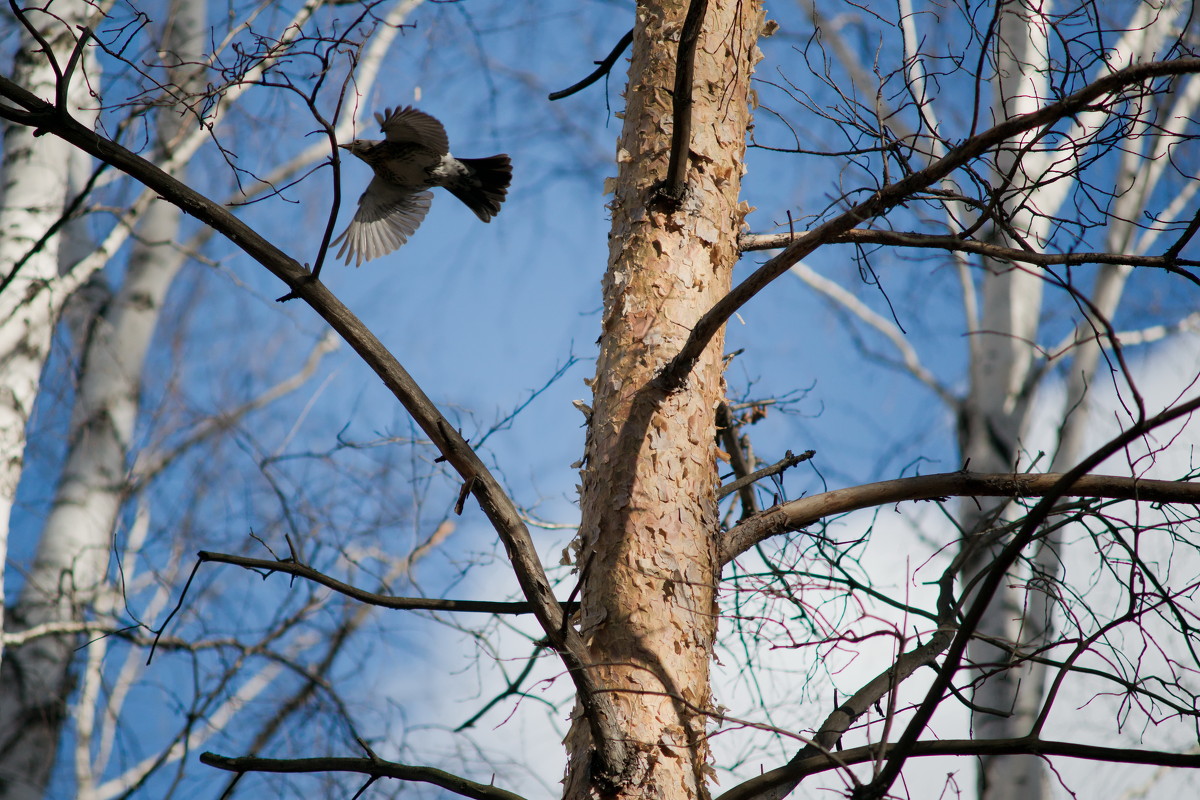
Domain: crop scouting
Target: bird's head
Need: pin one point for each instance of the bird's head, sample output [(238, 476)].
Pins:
[(358, 147)]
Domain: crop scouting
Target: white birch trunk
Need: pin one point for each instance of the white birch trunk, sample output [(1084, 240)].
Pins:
[(997, 406), (35, 179), (70, 568), (37, 184), (996, 414)]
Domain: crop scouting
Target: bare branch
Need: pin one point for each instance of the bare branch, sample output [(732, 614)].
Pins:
[(991, 580), (289, 567), (767, 786), (804, 512), (375, 767), (18, 638), (675, 184), (486, 489), (784, 464), (603, 68), (892, 194), (958, 244)]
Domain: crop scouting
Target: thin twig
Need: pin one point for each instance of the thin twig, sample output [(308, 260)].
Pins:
[(785, 463), (603, 69)]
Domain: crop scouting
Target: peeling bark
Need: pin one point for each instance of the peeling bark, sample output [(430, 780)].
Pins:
[(648, 558)]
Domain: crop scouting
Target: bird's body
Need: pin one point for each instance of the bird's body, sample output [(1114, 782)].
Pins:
[(414, 158)]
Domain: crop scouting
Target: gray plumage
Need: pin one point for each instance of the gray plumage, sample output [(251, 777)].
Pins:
[(413, 157)]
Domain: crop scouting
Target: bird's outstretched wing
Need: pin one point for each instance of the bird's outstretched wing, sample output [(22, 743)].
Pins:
[(387, 215), (410, 125)]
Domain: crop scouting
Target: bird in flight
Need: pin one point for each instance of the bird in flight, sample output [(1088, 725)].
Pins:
[(413, 157)]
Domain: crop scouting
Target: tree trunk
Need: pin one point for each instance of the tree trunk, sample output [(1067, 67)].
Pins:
[(36, 183), (35, 180), (647, 558)]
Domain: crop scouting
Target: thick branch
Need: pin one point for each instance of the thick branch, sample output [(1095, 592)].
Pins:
[(903, 190), (486, 489), (997, 574), (807, 510), (372, 598), (767, 785), (375, 767)]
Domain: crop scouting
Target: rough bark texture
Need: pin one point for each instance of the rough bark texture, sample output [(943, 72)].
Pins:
[(647, 546)]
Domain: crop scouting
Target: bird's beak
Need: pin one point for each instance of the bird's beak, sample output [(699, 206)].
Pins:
[(344, 146)]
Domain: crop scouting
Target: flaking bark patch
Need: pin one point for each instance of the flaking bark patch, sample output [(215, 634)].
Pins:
[(647, 545)]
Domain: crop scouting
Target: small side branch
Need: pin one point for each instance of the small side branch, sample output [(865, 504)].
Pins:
[(787, 462), (374, 767), (808, 510), (63, 84), (603, 68), (289, 567)]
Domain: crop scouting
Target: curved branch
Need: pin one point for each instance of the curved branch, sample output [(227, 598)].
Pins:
[(499, 508), (767, 786), (375, 767), (892, 194), (603, 68), (803, 512)]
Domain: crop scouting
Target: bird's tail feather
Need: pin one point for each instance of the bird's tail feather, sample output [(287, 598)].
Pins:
[(485, 185)]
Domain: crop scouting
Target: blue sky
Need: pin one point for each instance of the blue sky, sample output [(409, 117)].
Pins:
[(483, 315)]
